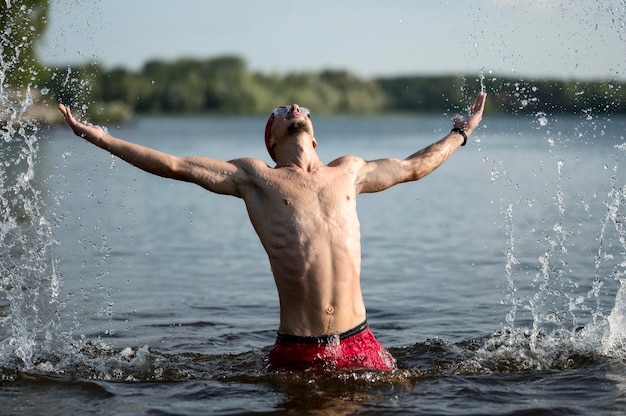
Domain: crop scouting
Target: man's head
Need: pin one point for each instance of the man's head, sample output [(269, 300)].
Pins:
[(291, 119)]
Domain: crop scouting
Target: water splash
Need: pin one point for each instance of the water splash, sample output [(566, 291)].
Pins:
[(615, 340), (481, 78), (29, 293), (565, 323), (30, 283), (511, 261)]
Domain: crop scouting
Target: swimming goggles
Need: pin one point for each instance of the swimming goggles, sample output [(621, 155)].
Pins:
[(285, 110)]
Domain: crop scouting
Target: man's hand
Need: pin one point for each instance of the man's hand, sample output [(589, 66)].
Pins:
[(87, 131), (473, 117)]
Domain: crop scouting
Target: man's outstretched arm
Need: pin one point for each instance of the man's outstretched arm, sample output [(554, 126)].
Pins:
[(378, 175), (214, 175)]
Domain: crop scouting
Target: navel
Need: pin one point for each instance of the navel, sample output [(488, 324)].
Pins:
[(287, 202), (330, 327)]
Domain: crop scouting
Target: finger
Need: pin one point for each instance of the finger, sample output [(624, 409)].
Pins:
[(67, 116), (480, 100), (475, 104), (65, 111), (70, 117), (62, 109), (478, 104)]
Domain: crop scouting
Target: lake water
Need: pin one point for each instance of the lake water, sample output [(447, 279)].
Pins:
[(495, 281)]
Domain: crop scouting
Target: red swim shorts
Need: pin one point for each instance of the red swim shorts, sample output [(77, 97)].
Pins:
[(356, 348)]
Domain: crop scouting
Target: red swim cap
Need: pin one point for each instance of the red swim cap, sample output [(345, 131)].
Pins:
[(268, 136)]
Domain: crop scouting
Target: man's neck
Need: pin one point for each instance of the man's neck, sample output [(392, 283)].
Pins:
[(299, 154)]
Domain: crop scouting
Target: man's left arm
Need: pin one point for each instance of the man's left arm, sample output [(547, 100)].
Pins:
[(378, 175)]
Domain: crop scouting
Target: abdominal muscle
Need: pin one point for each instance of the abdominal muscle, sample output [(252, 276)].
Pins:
[(315, 257), (318, 287)]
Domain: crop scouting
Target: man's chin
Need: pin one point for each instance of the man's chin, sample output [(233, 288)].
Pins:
[(298, 126)]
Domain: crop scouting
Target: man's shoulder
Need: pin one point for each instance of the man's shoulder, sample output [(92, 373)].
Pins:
[(346, 161), (251, 163)]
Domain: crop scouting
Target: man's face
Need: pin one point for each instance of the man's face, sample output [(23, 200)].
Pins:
[(290, 120)]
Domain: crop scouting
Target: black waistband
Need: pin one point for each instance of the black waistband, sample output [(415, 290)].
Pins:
[(322, 339)]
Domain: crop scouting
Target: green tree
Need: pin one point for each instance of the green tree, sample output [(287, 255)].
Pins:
[(423, 94), (355, 95), (22, 23)]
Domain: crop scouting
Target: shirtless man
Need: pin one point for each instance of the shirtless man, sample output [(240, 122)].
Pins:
[(304, 213)]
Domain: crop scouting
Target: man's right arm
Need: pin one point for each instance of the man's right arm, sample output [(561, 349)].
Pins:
[(213, 175)]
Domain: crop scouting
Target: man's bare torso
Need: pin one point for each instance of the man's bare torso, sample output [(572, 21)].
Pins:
[(307, 223), (304, 212)]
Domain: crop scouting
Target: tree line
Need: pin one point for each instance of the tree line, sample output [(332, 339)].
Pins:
[(224, 85)]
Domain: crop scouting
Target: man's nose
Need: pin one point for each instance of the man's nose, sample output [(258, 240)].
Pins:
[(294, 108)]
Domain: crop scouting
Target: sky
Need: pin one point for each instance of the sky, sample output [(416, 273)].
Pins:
[(533, 39)]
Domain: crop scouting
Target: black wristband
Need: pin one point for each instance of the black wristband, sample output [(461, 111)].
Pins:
[(462, 133)]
